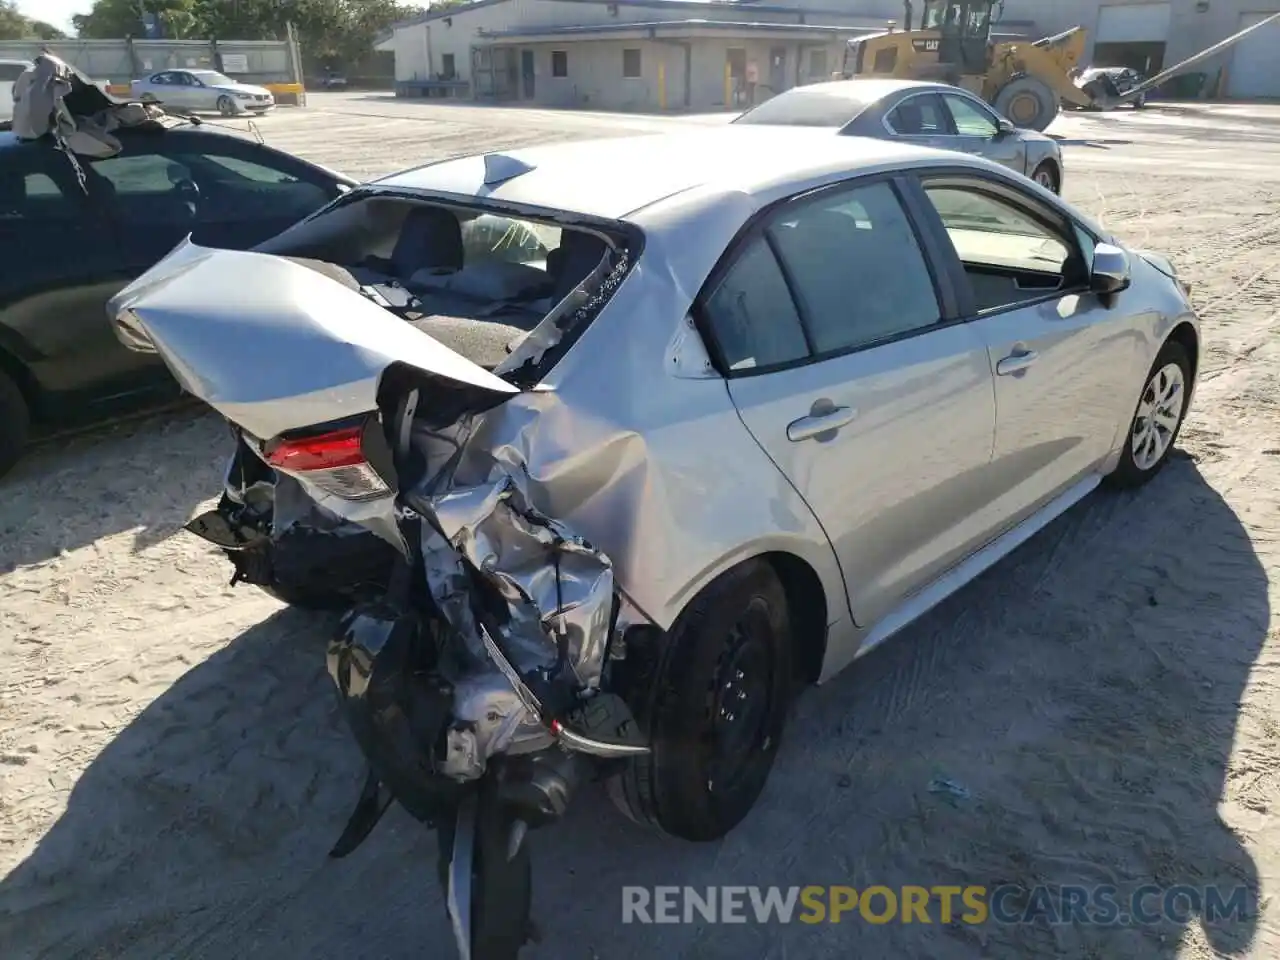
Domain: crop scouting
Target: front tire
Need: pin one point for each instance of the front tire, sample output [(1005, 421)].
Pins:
[(15, 423), (226, 106), (1157, 420), (716, 710)]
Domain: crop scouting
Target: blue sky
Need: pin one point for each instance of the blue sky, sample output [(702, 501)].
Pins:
[(57, 12)]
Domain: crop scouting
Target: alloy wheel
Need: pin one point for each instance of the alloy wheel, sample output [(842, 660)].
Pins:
[(1159, 414)]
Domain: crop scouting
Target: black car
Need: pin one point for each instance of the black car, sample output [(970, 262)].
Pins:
[(1109, 83), (67, 250)]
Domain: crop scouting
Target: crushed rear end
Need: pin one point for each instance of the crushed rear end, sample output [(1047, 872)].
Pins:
[(472, 662)]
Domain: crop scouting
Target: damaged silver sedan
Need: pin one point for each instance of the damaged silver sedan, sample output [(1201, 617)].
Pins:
[(606, 448)]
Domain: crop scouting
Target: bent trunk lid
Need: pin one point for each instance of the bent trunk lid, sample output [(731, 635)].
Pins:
[(274, 345)]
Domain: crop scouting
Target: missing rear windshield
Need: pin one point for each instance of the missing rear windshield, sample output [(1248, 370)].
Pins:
[(508, 291)]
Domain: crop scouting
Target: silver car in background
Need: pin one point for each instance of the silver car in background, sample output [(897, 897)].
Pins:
[(918, 112), (204, 90), (710, 417)]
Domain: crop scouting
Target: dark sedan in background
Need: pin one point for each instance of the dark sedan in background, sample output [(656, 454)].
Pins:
[(930, 114), (67, 250)]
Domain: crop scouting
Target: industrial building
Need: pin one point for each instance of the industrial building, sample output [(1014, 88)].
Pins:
[(714, 54)]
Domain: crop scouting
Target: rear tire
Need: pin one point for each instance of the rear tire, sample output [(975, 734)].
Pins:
[(716, 710), (15, 423), (1152, 430), (1029, 103)]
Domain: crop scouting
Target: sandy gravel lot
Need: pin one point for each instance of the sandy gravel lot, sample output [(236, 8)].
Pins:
[(173, 769)]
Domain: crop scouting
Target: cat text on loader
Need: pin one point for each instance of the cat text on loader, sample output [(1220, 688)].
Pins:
[(1026, 81)]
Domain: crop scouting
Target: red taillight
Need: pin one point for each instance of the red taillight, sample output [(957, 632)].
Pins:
[(334, 462), (341, 448)]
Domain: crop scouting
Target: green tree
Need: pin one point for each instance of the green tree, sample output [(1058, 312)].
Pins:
[(44, 31), (109, 19)]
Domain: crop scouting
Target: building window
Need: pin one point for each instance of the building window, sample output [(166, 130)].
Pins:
[(818, 63), (631, 64), (559, 63), (447, 67)]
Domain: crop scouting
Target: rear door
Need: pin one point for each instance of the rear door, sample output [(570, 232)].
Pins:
[(977, 130), (1063, 361), (845, 366)]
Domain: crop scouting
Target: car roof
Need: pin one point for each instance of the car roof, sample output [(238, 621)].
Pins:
[(867, 89), (613, 178), (9, 139)]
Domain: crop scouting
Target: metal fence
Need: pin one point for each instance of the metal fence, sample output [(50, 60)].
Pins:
[(119, 61)]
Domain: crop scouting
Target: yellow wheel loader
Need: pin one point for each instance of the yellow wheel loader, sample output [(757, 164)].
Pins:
[(1027, 81)]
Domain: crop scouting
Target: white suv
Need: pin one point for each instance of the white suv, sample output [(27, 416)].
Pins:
[(10, 70)]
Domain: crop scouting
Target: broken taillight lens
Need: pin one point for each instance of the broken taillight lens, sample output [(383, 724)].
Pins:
[(334, 461)]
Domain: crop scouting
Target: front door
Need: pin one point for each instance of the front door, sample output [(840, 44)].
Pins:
[(1058, 353), (526, 74), (977, 130), (879, 412)]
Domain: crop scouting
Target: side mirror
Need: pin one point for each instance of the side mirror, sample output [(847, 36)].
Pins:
[(1005, 128), (1111, 271)]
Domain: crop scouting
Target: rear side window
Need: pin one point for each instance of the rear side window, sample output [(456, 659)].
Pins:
[(919, 116), (857, 270), (752, 316)]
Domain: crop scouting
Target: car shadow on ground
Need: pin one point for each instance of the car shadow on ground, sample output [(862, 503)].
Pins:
[(1065, 720), (145, 473)]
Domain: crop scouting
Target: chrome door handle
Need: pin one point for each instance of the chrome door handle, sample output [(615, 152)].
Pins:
[(806, 428), (1016, 362)]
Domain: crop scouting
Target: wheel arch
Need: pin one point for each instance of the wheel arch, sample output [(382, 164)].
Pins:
[(808, 606), (1185, 334)]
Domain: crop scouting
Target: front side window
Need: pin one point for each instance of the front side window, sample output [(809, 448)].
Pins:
[(856, 267), (970, 119), (752, 316), (919, 116), (1009, 255), (11, 71)]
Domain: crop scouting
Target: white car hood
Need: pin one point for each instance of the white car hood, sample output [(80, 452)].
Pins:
[(242, 88), (273, 345)]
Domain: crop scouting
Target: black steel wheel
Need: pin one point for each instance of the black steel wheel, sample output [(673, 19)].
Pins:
[(716, 711)]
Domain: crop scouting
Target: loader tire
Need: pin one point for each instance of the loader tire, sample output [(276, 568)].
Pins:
[(1029, 103)]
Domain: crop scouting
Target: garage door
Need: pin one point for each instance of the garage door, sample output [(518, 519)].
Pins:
[(1133, 23), (1255, 68)]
